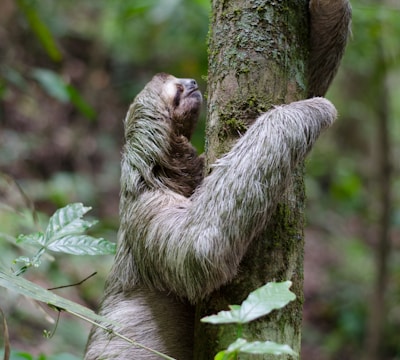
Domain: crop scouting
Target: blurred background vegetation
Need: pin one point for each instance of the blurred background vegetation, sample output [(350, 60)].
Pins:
[(68, 72)]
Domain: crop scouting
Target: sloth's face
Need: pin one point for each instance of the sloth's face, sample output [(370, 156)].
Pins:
[(184, 100)]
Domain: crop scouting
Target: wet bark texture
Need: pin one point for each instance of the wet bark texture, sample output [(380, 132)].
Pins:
[(258, 53)]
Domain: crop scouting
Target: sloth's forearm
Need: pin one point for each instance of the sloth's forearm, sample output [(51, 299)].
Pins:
[(194, 247)]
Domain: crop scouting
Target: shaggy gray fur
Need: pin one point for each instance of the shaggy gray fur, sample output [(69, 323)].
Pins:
[(173, 248), (181, 236)]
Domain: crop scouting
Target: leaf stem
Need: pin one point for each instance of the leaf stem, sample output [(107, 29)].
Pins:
[(35, 261), (239, 330)]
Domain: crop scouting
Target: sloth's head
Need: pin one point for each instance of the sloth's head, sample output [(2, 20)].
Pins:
[(158, 128), (167, 99), (182, 99)]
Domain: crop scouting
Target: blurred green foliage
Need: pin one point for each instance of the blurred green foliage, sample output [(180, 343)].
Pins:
[(42, 32), (343, 187), (56, 87), (68, 71)]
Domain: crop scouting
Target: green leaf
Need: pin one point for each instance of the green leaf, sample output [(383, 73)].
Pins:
[(67, 221), (223, 355), (64, 234), (34, 291), (82, 245), (57, 88), (269, 297), (23, 259), (260, 302), (31, 239), (224, 317), (30, 289), (80, 103), (258, 347), (52, 83)]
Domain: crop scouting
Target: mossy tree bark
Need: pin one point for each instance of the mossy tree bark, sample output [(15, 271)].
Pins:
[(258, 53)]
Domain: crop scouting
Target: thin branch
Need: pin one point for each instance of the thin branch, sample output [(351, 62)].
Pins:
[(76, 284)]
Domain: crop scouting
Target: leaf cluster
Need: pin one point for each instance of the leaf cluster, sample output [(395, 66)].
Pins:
[(260, 302), (64, 234)]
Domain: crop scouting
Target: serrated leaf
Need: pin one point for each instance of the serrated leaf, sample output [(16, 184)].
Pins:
[(75, 227), (22, 259), (31, 239), (265, 299), (82, 245), (67, 221), (260, 302), (258, 347)]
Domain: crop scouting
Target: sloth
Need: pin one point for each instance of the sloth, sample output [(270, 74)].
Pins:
[(183, 235)]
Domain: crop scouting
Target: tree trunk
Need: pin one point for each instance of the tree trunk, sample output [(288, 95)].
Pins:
[(257, 57)]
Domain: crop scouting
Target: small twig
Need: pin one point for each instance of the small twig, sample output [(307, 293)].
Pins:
[(76, 284)]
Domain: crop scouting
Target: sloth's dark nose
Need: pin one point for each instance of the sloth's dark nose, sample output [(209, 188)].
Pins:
[(190, 84)]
